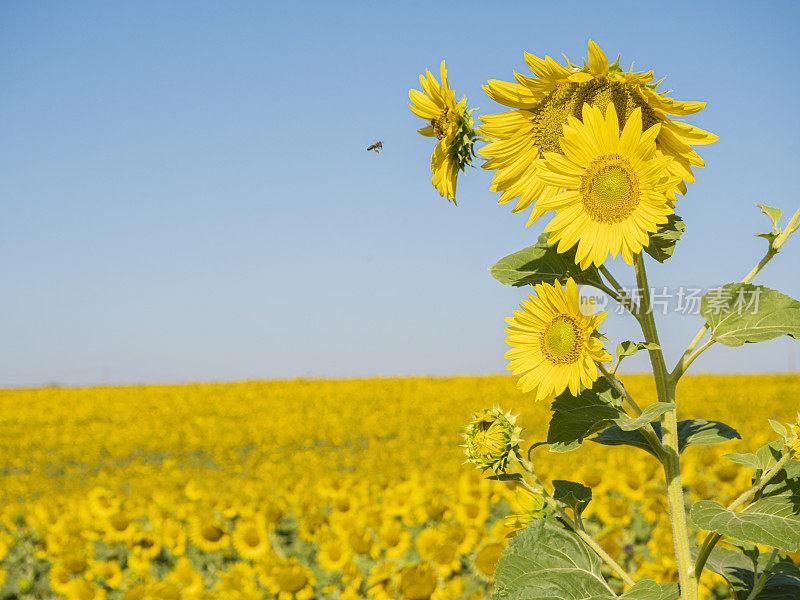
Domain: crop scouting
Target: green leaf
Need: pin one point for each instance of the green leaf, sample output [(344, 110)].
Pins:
[(650, 413), (747, 459), (576, 418), (773, 518), (769, 454), (574, 495), (545, 562), (647, 589), (742, 313), (737, 569), (778, 428), (663, 241), (774, 215), (541, 262), (506, 477), (630, 348), (690, 432)]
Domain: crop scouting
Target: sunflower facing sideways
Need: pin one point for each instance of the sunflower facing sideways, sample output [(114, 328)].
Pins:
[(542, 104), (554, 345), (610, 189), (451, 125)]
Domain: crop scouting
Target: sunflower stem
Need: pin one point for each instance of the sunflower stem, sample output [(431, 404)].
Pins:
[(712, 538), (688, 357), (576, 524), (621, 296), (649, 433), (670, 457), (762, 579)]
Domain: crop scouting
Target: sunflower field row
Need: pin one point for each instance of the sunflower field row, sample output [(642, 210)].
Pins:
[(318, 488)]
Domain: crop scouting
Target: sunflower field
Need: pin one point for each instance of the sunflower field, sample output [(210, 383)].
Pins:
[(318, 488)]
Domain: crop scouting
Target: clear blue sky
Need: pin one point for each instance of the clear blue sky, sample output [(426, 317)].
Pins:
[(186, 193)]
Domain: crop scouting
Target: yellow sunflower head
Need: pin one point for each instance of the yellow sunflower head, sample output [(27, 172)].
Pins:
[(452, 125), (492, 438), (795, 429), (609, 188), (543, 104), (418, 582), (554, 344)]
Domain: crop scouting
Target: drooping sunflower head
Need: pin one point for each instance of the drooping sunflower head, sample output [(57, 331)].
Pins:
[(610, 189), (451, 124), (492, 438), (555, 345), (542, 105)]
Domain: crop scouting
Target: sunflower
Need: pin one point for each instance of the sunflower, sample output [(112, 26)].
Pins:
[(290, 580), (485, 560), (417, 582), (333, 553), (186, 576), (394, 539), (250, 538), (543, 105), (610, 187), (554, 346), (452, 126), (208, 534)]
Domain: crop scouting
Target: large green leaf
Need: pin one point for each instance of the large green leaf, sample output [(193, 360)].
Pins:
[(690, 432), (773, 518), (577, 417), (737, 569), (742, 313), (546, 562), (663, 241), (647, 589), (575, 495), (541, 262)]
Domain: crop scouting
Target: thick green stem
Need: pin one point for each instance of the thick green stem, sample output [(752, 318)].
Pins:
[(669, 439)]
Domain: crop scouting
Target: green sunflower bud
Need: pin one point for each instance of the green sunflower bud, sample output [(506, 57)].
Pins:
[(492, 439)]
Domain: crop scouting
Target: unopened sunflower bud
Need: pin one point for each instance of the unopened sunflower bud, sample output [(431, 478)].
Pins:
[(492, 439)]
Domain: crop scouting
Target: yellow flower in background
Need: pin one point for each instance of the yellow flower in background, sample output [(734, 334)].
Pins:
[(610, 187), (290, 580), (553, 342), (485, 560), (417, 582), (250, 539), (543, 104), (452, 126)]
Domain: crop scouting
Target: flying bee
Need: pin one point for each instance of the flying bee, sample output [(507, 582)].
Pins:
[(376, 146)]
